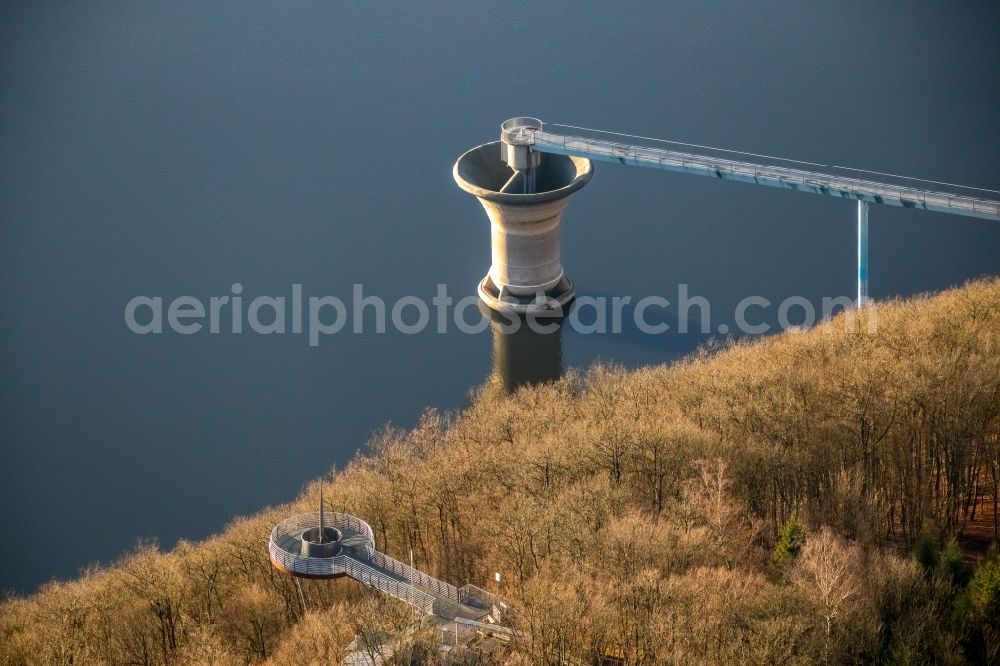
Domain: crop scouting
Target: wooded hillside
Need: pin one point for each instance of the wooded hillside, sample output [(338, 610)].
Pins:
[(818, 496)]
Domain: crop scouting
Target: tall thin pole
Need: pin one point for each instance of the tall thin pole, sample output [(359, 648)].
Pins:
[(410, 576), (322, 527), (862, 253)]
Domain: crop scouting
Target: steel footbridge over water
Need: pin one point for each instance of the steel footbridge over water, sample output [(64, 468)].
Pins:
[(525, 243)]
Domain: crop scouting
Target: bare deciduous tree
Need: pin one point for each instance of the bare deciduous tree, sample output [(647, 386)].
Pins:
[(827, 567)]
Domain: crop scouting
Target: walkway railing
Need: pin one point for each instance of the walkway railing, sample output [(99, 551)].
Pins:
[(404, 592), (359, 560), (778, 176), (415, 576)]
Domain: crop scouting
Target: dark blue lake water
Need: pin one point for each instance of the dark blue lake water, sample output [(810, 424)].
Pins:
[(178, 148)]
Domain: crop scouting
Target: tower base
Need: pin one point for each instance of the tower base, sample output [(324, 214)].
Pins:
[(555, 299)]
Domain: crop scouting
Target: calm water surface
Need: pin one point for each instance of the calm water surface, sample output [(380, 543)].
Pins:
[(177, 148)]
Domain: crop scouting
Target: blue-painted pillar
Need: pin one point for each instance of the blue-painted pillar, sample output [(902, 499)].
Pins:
[(862, 253)]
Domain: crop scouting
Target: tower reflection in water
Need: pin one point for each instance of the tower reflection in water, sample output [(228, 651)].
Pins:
[(525, 356)]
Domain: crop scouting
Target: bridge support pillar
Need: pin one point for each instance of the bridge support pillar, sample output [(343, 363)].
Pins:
[(862, 253)]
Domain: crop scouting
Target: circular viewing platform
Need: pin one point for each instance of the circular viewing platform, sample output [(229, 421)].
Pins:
[(292, 545)]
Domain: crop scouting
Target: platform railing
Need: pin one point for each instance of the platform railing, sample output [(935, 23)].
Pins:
[(316, 566), (469, 594), (519, 131), (331, 519), (341, 521), (309, 566)]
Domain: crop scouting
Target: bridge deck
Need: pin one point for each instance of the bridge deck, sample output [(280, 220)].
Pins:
[(762, 174)]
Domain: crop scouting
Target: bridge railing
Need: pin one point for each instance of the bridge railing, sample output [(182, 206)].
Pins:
[(359, 571), (754, 172), (739, 156), (365, 574), (417, 577)]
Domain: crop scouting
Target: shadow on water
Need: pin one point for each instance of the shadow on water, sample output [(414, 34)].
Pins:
[(525, 356)]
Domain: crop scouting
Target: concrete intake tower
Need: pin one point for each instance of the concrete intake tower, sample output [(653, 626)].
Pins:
[(524, 193), (525, 179)]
